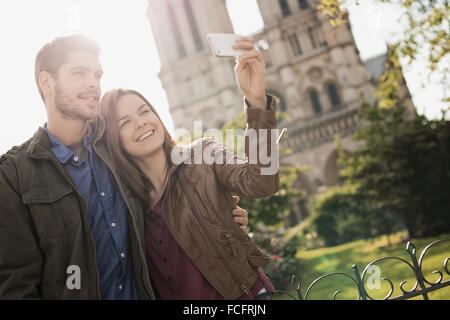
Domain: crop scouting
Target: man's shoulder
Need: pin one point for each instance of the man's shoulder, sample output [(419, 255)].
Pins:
[(15, 151)]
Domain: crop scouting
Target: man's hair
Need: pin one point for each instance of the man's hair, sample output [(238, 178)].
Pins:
[(54, 54)]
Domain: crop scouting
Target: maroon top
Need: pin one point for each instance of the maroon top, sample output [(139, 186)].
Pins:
[(172, 272)]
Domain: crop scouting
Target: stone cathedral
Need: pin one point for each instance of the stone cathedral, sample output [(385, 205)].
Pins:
[(313, 68)]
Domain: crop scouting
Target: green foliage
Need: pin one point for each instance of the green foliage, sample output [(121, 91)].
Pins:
[(427, 28), (282, 251), (333, 10), (427, 24), (404, 163), (339, 215), (398, 176), (275, 209), (318, 262)]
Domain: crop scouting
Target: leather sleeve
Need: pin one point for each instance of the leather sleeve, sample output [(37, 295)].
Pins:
[(256, 176), (20, 256)]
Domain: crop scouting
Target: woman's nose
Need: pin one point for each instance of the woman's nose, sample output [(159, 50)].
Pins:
[(140, 123)]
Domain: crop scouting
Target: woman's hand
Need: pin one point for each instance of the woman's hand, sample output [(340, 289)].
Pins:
[(240, 215), (250, 73)]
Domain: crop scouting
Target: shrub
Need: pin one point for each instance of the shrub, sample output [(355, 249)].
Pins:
[(282, 251)]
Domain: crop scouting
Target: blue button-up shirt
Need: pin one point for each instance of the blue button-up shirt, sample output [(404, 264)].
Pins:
[(107, 216)]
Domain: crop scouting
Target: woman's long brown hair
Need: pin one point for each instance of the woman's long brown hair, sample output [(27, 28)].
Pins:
[(128, 171)]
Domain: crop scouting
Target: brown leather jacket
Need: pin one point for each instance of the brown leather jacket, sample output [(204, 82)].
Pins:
[(198, 203)]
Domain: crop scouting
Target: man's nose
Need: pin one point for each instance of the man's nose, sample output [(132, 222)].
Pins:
[(93, 82)]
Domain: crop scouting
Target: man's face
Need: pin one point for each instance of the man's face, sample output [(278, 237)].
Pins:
[(77, 89)]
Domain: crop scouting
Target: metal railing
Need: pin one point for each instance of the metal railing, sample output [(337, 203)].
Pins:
[(421, 288)]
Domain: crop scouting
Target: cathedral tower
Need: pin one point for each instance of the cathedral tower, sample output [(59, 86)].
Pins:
[(198, 85)]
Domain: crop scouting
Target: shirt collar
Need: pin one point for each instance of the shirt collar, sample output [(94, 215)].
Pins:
[(61, 151)]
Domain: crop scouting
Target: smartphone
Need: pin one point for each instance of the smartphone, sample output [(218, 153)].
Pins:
[(221, 44)]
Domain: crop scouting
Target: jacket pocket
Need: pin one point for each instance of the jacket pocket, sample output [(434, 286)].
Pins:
[(234, 243), (258, 261), (54, 209)]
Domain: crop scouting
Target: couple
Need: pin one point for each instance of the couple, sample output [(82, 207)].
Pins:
[(93, 207)]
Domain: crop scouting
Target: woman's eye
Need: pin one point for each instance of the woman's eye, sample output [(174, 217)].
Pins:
[(123, 124)]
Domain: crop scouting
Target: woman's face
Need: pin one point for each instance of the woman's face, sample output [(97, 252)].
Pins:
[(140, 131)]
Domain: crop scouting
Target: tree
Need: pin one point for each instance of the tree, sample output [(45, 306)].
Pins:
[(404, 162), (426, 27), (341, 215)]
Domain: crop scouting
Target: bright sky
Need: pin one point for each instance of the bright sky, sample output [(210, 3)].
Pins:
[(129, 56)]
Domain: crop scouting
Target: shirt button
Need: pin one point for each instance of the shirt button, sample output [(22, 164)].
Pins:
[(120, 287), (102, 194), (122, 255), (113, 224), (76, 158)]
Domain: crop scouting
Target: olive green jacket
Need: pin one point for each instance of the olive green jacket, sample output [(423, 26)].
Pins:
[(44, 230)]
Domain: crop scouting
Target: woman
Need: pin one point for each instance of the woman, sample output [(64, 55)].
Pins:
[(194, 248)]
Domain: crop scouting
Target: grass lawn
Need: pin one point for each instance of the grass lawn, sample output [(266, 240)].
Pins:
[(341, 258)]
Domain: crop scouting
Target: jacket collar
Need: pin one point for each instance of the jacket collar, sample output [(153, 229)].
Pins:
[(98, 129), (40, 145)]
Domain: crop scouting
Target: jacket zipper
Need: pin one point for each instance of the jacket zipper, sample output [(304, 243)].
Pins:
[(233, 275)]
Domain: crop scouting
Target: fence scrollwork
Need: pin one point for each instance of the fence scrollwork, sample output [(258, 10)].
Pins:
[(421, 287)]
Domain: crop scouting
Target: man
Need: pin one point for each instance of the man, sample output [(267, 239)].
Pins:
[(69, 229)]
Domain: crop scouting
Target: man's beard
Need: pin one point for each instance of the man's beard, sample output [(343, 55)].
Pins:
[(66, 106)]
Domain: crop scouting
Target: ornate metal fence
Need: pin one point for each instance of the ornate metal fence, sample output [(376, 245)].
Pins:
[(421, 288)]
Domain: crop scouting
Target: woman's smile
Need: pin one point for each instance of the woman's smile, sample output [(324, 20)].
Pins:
[(146, 136)]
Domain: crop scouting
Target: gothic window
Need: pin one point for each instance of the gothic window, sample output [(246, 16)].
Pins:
[(285, 10), (333, 95), (303, 4), (311, 37), (193, 25), (295, 44), (314, 98), (176, 32)]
